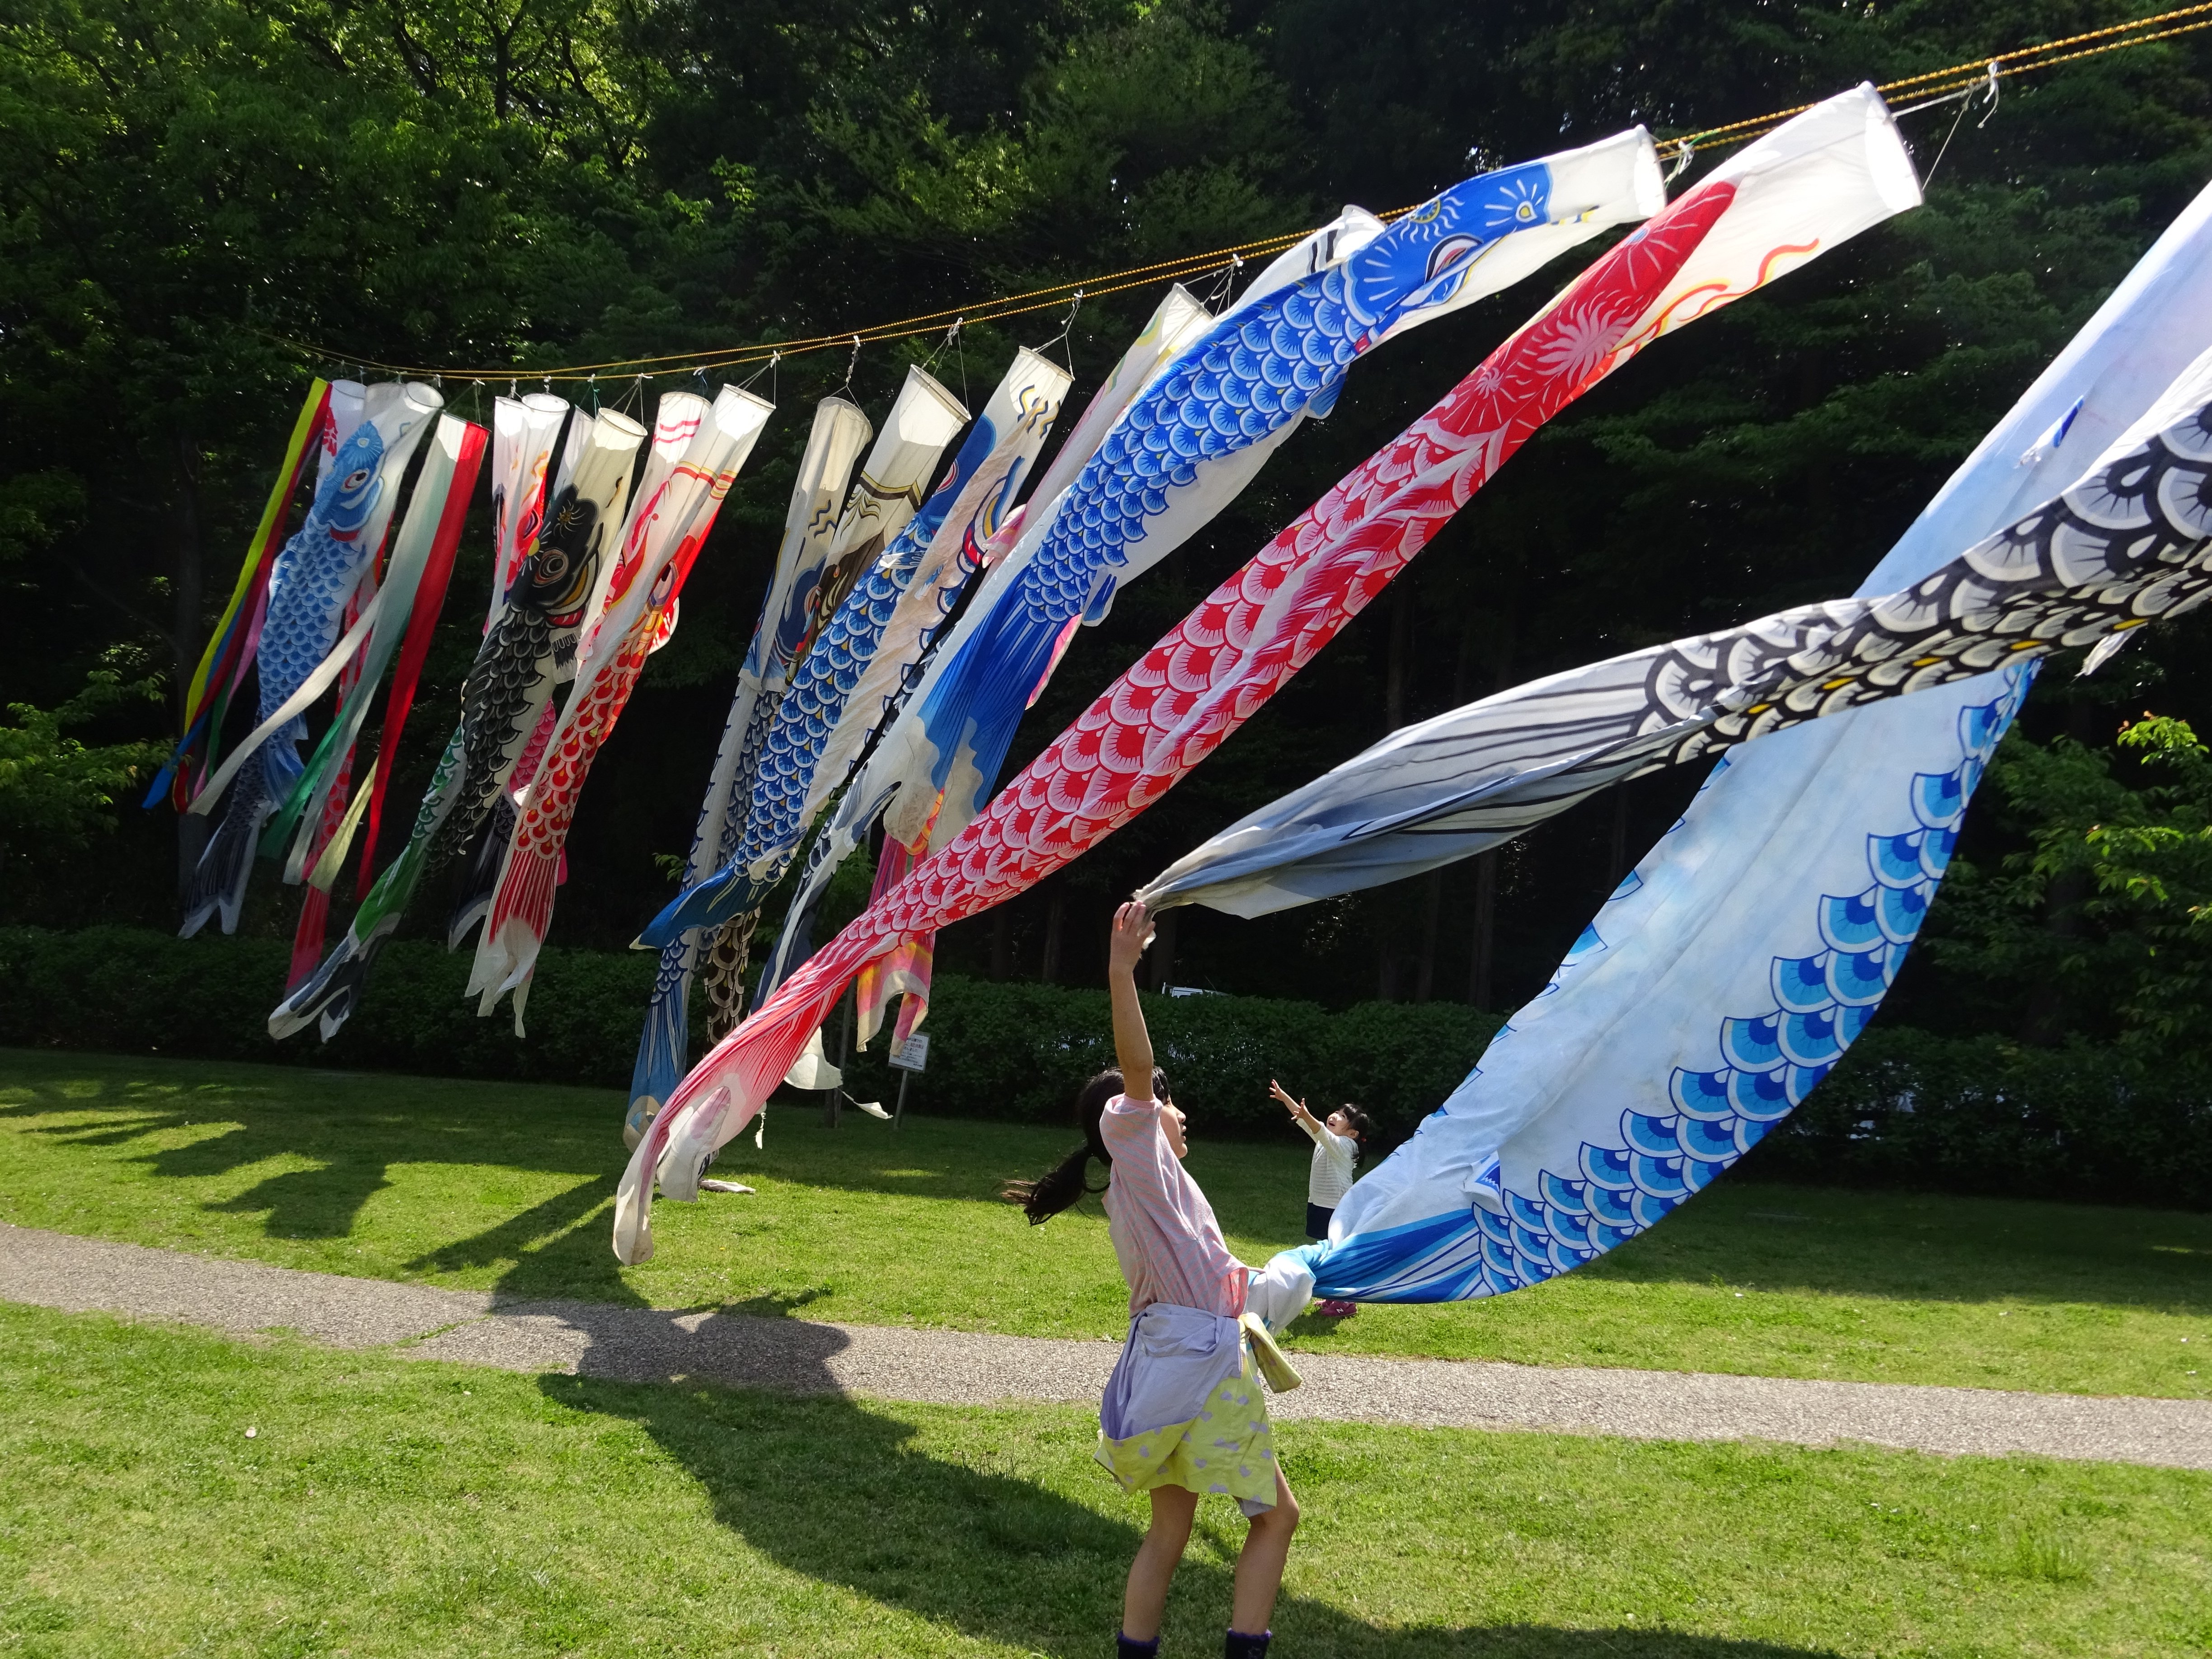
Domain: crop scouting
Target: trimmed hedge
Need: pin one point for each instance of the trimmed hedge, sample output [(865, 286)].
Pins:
[(1012, 1051), (1983, 1114), (131, 990), (1906, 1109), (1019, 1051)]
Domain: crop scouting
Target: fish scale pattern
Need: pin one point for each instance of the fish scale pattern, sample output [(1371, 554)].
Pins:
[(1254, 373), (1768, 1061), (310, 582), (1201, 682), (823, 683), (2128, 543), (1234, 387), (309, 585)]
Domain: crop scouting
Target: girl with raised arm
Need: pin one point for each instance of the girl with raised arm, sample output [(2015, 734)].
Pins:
[(1183, 1414)]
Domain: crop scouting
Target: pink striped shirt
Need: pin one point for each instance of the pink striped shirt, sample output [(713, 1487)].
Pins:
[(1163, 1230)]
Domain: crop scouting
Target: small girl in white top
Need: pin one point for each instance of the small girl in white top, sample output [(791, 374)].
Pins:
[(1336, 1156)]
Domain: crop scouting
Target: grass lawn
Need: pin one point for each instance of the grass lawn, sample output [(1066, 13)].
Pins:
[(384, 1506), (492, 1186)]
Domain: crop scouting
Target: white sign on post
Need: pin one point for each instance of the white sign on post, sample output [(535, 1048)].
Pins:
[(913, 1055)]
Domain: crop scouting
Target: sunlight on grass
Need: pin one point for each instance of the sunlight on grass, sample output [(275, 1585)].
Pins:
[(494, 1187), (385, 1506)]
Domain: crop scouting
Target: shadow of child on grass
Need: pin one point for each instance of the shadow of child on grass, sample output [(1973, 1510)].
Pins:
[(839, 1490)]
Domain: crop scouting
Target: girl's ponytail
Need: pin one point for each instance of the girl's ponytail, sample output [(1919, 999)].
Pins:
[(1047, 1196)]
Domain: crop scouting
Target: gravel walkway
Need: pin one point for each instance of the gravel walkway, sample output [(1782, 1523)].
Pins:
[(647, 1344)]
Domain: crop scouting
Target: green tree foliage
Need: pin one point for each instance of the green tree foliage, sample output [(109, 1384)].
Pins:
[(54, 790), (189, 186), (2104, 911)]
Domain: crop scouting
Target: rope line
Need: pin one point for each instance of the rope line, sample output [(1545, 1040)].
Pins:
[(1966, 75), (1933, 87)]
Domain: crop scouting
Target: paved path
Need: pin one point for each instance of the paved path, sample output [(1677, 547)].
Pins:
[(648, 1345)]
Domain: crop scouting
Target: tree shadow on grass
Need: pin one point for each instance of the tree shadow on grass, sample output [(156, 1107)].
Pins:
[(835, 1489), (349, 1134), (556, 1247)]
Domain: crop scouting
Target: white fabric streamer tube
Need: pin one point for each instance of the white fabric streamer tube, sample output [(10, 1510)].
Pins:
[(522, 435), (840, 431), (698, 451), (1665, 1045), (1178, 319), (410, 553)]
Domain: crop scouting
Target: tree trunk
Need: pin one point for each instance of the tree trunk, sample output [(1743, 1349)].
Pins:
[(2044, 1011), (1432, 902), (1056, 914), (185, 628), (1399, 674), (1163, 949), (1485, 919)]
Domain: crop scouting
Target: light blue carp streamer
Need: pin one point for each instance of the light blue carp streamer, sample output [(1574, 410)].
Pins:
[(1262, 367), (1734, 966), (309, 583)]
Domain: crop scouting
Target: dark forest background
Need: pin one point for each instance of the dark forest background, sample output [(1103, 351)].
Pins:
[(186, 184)]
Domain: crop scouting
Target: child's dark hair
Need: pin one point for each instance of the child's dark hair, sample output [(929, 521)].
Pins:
[(1363, 1126), (1047, 1196)]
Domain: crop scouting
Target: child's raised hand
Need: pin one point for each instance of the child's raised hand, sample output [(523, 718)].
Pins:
[(1284, 1095), (1133, 932)]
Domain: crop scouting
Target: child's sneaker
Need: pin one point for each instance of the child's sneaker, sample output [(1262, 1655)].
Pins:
[(1334, 1308)]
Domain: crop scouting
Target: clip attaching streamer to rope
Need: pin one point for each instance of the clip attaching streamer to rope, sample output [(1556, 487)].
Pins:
[(1067, 328), (1683, 151), (1994, 93), (773, 358), (1223, 285)]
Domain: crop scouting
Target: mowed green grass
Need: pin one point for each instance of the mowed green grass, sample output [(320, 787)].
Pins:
[(385, 1506), (500, 1187)]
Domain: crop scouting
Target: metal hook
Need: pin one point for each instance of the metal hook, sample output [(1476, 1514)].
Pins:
[(1994, 92)]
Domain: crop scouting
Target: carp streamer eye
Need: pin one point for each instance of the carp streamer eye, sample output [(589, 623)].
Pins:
[(355, 479), (554, 565)]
